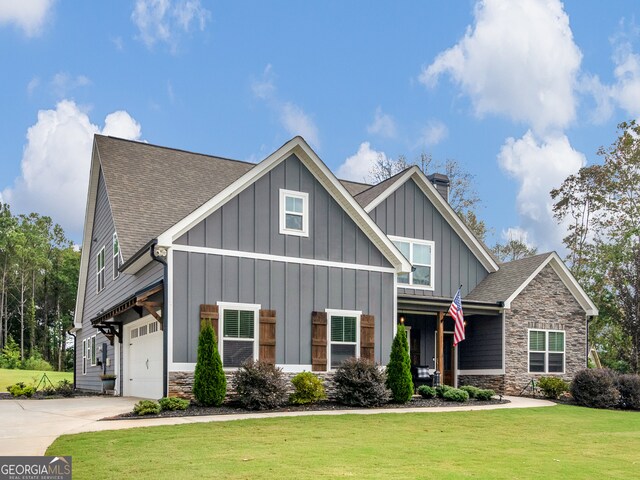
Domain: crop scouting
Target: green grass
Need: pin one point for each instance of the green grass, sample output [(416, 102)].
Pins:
[(30, 377), (552, 442)]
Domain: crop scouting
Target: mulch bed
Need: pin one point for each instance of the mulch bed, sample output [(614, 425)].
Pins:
[(234, 408), (42, 396)]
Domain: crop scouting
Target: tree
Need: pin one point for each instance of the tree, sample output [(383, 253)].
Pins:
[(399, 368), (513, 249), (209, 382)]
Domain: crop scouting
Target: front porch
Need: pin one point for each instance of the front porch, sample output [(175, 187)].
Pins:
[(476, 360)]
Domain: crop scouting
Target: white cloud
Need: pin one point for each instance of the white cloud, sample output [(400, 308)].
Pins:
[(62, 83), (165, 21), (29, 15), (32, 85), (383, 125), (518, 60), (56, 161), (433, 133), (518, 234), (539, 166), (291, 116), (358, 167)]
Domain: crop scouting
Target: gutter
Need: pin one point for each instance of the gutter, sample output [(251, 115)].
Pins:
[(165, 326)]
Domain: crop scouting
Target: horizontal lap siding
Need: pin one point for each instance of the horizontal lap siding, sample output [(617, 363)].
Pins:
[(482, 348), (294, 291), (408, 213), (114, 290)]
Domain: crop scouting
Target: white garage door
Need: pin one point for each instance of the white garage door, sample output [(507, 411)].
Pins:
[(143, 377)]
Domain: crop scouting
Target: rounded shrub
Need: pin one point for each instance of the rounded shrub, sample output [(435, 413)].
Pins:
[(441, 389), (260, 386), (471, 390), (455, 395), (146, 407), (309, 389), (360, 383), (20, 389), (36, 362), (552, 387), (629, 389), (426, 391), (209, 381), (173, 403), (64, 388), (484, 395), (399, 368), (595, 388)]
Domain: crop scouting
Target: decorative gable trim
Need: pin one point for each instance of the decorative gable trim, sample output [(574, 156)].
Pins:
[(443, 207), (567, 279)]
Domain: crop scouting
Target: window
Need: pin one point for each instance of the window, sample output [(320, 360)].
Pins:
[(239, 340), (84, 356), (93, 351), (100, 270), (294, 213), (344, 336), (420, 255), (546, 351), (117, 256)]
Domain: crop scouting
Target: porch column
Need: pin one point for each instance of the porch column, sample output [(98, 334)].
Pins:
[(440, 346)]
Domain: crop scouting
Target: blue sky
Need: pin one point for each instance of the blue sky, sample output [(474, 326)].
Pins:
[(520, 93)]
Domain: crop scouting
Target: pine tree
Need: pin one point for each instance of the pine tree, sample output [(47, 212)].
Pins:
[(399, 368), (210, 383)]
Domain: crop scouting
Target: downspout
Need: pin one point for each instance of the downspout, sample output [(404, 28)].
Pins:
[(75, 356), (165, 326), (588, 346)]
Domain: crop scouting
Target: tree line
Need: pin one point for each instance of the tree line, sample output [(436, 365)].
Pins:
[(39, 269)]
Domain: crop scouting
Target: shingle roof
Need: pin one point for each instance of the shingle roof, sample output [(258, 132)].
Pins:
[(139, 177), (499, 286), (354, 188), (365, 197)]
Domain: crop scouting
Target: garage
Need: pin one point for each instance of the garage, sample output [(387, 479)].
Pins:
[(143, 359)]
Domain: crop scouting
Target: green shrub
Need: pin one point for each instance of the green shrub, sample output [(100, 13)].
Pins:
[(48, 391), (146, 407), (426, 391), (441, 389), (595, 388), (484, 395), (36, 362), (260, 386), (455, 395), (629, 388), (399, 368), (209, 381), (552, 387), (360, 383), (309, 389), (10, 355), (471, 390), (173, 403), (21, 390), (64, 388)]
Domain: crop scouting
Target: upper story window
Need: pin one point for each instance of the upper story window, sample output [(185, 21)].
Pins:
[(117, 256), (420, 254), (100, 270), (294, 213), (239, 340), (546, 351), (344, 336)]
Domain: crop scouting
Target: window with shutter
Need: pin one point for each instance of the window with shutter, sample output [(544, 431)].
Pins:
[(239, 340), (344, 336), (546, 351)]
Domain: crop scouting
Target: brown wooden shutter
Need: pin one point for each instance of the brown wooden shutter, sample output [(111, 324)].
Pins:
[(367, 337), (267, 338), (318, 341), (209, 314)]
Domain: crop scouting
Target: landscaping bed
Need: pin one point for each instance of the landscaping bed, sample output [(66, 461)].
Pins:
[(232, 408)]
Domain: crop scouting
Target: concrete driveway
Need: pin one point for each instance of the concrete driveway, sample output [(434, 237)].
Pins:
[(27, 427)]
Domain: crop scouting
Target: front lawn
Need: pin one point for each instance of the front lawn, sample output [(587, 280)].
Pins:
[(551, 442), (29, 377)]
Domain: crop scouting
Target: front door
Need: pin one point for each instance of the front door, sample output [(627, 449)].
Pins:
[(449, 360), (414, 346)]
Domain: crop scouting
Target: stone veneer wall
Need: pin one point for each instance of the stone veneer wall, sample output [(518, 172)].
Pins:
[(181, 384), (493, 382), (546, 303)]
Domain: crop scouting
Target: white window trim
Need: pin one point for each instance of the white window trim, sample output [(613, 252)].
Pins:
[(411, 242), (84, 356), (222, 306), (342, 313), (100, 270), (116, 272), (283, 213), (546, 351), (92, 356)]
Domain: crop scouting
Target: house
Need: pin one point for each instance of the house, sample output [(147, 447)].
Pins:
[(295, 267)]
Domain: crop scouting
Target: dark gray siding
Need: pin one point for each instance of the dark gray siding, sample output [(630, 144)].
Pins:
[(292, 290), (250, 222), (409, 213), (482, 347), (114, 291)]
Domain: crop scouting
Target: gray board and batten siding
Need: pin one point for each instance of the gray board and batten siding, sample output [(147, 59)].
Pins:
[(407, 212), (482, 347), (250, 222), (114, 291)]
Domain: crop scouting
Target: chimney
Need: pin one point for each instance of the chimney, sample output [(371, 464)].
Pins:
[(441, 182)]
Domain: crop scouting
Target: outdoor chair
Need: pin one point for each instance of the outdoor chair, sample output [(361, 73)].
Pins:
[(420, 376)]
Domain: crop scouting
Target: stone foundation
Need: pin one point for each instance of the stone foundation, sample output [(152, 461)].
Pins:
[(492, 382)]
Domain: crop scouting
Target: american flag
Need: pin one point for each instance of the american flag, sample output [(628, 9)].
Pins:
[(455, 310)]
